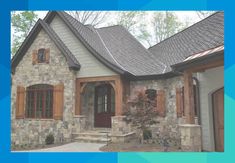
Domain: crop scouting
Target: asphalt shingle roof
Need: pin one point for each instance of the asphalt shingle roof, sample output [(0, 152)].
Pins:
[(117, 46), (204, 35)]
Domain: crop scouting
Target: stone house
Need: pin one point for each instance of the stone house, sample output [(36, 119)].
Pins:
[(72, 80)]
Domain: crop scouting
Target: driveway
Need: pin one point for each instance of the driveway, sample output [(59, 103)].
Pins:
[(71, 147)]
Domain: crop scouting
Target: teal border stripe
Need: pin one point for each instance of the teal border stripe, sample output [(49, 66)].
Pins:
[(135, 157)]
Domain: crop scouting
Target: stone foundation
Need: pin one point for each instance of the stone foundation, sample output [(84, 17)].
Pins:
[(121, 131), (190, 137)]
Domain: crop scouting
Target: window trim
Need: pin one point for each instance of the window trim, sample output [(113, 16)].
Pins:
[(32, 89)]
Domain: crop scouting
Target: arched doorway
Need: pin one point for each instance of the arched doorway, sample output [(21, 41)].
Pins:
[(218, 116), (104, 105)]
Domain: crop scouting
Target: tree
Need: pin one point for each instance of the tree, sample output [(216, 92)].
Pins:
[(141, 112), (94, 18), (135, 23), (130, 19), (165, 24), (21, 23), (204, 14)]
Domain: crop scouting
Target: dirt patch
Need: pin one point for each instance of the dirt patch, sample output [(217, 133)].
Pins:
[(130, 147)]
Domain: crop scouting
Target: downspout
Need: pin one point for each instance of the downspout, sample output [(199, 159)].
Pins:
[(198, 99)]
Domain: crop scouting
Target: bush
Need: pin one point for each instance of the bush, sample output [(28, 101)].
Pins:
[(49, 139), (147, 134)]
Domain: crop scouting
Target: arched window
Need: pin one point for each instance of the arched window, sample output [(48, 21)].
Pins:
[(39, 101)]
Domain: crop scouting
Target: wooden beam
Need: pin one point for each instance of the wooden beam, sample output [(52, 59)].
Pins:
[(82, 87), (189, 98), (118, 97), (97, 79), (78, 98), (207, 66), (116, 83)]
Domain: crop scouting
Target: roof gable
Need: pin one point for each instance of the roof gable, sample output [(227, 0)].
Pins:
[(71, 60)]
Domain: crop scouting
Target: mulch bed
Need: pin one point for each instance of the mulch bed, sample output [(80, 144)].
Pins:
[(130, 147)]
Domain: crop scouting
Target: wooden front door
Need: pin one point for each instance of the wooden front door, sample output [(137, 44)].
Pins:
[(218, 112), (104, 105)]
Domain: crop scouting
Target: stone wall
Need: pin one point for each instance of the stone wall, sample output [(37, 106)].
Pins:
[(168, 124), (32, 131)]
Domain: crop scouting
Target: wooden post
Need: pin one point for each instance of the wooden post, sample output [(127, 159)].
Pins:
[(118, 97), (78, 98), (188, 97)]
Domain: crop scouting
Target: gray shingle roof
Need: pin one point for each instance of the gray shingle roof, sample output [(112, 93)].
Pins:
[(118, 47), (129, 53), (204, 35)]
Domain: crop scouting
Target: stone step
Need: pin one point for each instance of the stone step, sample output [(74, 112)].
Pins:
[(91, 139), (95, 135), (92, 134)]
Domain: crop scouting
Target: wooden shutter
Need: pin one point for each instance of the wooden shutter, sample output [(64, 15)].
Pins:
[(20, 102), (161, 105), (58, 101), (47, 53), (34, 57), (179, 102)]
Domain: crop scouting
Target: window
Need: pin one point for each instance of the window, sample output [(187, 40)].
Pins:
[(105, 99), (39, 101), (41, 57), (151, 94)]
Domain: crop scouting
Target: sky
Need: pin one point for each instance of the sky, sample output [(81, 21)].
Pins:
[(190, 16)]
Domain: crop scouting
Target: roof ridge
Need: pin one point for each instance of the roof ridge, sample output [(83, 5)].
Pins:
[(102, 41), (186, 28), (151, 55), (111, 26)]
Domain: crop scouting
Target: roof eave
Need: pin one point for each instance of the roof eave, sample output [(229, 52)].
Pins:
[(180, 67)]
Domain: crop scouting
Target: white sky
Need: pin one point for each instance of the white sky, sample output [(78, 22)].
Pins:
[(190, 16)]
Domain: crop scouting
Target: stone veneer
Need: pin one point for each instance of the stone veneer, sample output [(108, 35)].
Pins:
[(170, 123), (34, 131)]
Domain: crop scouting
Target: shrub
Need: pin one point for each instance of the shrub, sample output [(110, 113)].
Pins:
[(49, 139), (147, 134)]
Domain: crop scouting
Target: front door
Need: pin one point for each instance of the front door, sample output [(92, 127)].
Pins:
[(218, 111), (104, 105)]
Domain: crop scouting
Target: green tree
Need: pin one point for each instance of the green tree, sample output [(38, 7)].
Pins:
[(94, 18), (204, 14), (165, 24), (21, 23)]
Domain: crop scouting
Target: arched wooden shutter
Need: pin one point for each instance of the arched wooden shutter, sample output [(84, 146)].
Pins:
[(47, 53), (34, 57), (58, 101), (20, 102), (161, 103), (179, 102)]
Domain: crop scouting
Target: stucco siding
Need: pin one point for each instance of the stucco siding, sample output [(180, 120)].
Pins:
[(210, 80), (90, 66)]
